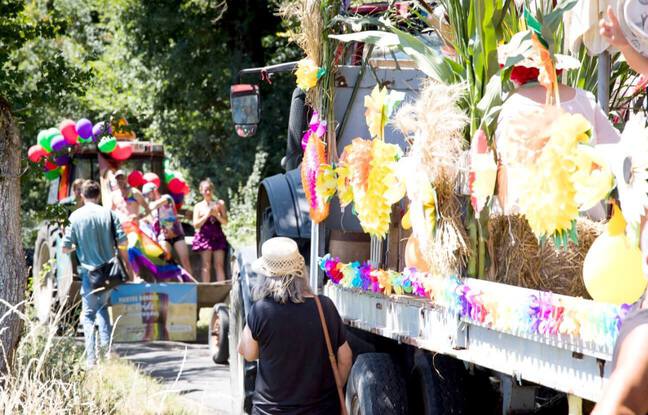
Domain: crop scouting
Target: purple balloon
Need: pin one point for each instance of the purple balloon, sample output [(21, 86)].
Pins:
[(58, 143), (99, 129), (62, 160), (177, 197), (84, 128)]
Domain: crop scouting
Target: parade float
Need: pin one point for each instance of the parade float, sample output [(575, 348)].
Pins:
[(502, 205)]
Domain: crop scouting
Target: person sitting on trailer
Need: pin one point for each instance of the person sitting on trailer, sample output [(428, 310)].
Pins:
[(631, 40), (530, 96), (285, 332)]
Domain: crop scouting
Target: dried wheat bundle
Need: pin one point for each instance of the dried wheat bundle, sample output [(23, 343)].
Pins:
[(434, 125)]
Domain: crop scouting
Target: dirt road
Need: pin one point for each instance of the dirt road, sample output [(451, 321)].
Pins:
[(186, 369)]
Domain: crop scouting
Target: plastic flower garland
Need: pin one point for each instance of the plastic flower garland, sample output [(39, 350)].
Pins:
[(308, 73), (540, 313), (311, 172)]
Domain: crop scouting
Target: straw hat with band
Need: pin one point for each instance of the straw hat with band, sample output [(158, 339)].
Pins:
[(280, 257), (631, 15)]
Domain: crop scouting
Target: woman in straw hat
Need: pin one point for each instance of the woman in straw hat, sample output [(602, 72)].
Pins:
[(285, 333)]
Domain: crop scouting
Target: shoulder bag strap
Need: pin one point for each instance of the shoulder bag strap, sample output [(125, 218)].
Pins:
[(329, 347)]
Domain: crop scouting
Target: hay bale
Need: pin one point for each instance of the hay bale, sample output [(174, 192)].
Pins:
[(518, 259)]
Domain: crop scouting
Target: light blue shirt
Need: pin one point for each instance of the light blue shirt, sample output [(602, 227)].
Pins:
[(90, 231)]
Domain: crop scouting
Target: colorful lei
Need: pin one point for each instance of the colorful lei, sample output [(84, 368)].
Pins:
[(540, 313)]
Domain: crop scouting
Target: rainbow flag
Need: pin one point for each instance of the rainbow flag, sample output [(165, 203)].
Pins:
[(145, 253)]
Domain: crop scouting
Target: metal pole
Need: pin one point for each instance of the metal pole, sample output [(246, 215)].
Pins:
[(603, 85), (314, 257)]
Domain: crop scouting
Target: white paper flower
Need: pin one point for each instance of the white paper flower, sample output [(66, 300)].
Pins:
[(631, 170)]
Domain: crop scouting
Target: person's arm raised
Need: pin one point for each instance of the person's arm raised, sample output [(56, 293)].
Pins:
[(611, 30)]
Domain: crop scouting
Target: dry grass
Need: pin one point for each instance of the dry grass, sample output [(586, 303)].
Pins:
[(518, 259), (47, 375), (434, 125), (308, 34), (449, 249)]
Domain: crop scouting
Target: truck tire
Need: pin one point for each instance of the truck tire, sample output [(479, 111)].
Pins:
[(437, 384), (218, 334), (240, 375), (376, 387), (44, 284)]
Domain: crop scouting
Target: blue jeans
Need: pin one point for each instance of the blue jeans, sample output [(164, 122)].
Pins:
[(94, 308)]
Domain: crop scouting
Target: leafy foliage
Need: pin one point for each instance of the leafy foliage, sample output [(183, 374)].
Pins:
[(164, 65)]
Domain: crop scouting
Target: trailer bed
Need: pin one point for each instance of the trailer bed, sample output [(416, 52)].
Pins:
[(563, 363)]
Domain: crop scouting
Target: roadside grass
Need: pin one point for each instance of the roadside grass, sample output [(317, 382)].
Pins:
[(47, 375)]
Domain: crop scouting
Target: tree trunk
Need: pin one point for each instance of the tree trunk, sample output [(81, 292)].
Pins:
[(12, 262)]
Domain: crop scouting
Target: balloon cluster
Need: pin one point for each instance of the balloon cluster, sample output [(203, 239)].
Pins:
[(54, 145), (178, 187)]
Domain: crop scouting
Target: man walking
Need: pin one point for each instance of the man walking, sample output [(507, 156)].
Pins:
[(92, 232)]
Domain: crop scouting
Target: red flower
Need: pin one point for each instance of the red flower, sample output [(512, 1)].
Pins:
[(520, 75)]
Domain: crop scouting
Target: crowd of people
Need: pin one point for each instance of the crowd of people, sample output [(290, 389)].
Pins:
[(97, 234)]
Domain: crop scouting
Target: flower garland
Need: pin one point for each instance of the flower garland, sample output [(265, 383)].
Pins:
[(311, 172), (541, 313)]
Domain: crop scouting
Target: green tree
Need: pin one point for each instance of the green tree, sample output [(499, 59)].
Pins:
[(33, 78)]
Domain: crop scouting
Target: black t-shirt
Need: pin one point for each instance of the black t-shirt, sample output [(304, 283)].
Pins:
[(294, 374)]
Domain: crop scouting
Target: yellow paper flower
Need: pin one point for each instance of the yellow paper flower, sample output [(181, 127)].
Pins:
[(345, 193), (375, 112), (592, 179), (307, 74), (549, 200), (383, 189), (326, 182)]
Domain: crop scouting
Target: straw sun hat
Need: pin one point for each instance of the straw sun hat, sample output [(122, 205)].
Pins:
[(280, 257), (633, 19)]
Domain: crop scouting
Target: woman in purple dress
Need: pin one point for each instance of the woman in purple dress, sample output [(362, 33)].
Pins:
[(208, 217)]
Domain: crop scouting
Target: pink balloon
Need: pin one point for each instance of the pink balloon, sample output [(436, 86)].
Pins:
[(136, 178), (152, 178), (122, 152), (36, 153), (69, 132)]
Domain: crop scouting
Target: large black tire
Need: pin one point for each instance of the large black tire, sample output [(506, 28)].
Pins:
[(218, 334), (376, 387), (436, 385), (44, 283), (241, 376), (439, 384)]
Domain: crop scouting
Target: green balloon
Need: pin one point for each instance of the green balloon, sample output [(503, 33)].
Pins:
[(168, 176), (45, 138), (107, 144), (85, 140), (53, 174)]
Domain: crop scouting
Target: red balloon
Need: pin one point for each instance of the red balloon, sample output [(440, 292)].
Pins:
[(136, 178), (152, 178), (176, 185), (122, 152), (50, 166), (69, 132), (36, 153), (185, 189)]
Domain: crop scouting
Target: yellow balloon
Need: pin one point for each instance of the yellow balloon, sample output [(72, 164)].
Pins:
[(612, 269)]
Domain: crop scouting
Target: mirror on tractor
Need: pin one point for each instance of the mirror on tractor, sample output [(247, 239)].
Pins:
[(246, 111)]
